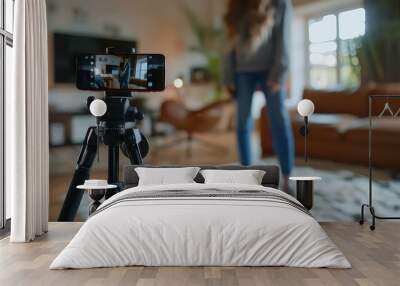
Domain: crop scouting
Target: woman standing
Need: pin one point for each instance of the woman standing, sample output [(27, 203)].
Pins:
[(125, 73), (259, 32)]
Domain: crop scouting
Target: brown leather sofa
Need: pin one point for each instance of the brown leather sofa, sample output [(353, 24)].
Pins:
[(338, 129)]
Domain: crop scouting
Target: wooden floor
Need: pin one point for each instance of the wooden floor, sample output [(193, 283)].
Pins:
[(375, 257)]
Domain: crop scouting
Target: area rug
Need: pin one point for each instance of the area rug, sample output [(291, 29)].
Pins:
[(340, 193)]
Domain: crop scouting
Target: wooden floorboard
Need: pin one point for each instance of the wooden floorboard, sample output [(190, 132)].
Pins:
[(374, 255)]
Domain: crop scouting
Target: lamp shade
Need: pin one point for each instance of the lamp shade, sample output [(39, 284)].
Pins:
[(305, 107), (98, 107)]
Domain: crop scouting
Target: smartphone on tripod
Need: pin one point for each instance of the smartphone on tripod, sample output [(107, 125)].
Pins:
[(121, 72)]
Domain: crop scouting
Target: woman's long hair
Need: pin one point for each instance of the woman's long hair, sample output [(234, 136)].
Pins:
[(248, 19)]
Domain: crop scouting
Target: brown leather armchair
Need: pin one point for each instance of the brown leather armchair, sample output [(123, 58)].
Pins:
[(214, 117)]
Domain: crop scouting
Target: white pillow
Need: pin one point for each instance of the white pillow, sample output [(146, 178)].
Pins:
[(164, 176), (248, 177)]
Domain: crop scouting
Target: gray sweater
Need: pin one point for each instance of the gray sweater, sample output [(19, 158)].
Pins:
[(271, 56)]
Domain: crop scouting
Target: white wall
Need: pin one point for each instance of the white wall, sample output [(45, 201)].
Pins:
[(297, 57), (158, 26)]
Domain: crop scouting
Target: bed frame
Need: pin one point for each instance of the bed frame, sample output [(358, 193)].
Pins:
[(270, 179)]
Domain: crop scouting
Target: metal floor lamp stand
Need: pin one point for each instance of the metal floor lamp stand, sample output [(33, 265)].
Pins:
[(370, 162)]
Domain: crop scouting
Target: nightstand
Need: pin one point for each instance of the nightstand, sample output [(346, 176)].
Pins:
[(96, 193), (305, 190)]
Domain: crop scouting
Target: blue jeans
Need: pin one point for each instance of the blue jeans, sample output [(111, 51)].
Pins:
[(282, 137)]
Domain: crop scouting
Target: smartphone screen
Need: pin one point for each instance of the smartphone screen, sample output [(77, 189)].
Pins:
[(124, 72)]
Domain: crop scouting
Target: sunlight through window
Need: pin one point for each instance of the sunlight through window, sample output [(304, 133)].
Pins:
[(352, 24), (331, 51)]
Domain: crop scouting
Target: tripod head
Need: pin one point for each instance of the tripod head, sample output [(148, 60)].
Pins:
[(119, 120)]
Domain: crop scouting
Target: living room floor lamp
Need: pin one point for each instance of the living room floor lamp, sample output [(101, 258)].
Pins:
[(305, 108)]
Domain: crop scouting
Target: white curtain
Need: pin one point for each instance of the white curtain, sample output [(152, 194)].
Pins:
[(27, 157)]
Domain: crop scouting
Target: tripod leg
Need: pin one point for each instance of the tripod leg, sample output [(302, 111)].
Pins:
[(132, 150), (82, 172), (113, 170)]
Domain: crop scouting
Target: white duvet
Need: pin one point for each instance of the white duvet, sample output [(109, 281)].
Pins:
[(200, 231)]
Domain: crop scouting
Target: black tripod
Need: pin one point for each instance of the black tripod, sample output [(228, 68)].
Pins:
[(116, 129)]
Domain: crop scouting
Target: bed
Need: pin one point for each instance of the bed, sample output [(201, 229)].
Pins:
[(198, 224)]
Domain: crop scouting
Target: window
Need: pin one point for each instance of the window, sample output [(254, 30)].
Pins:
[(6, 44), (141, 69), (332, 42)]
